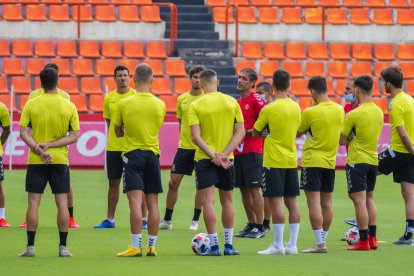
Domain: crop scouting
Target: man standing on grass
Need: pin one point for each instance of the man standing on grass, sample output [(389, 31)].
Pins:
[(139, 120), (216, 124), (5, 125), (44, 126)]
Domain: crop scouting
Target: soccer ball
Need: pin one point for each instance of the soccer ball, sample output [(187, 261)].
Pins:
[(200, 242), (352, 235)]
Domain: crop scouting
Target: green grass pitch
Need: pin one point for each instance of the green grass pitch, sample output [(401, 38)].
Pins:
[(94, 249)]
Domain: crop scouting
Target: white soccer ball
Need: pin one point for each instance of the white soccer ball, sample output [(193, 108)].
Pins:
[(352, 235), (200, 242)]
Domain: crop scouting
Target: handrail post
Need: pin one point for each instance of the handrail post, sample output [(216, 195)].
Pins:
[(323, 23), (79, 26), (236, 14)]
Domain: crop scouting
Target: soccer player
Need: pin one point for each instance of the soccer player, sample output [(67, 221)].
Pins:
[(32, 95), (216, 124), (322, 124), (350, 98), (362, 129), (399, 158), (280, 162), (49, 123), (183, 163), (114, 144), (5, 125), (248, 157), (139, 120)]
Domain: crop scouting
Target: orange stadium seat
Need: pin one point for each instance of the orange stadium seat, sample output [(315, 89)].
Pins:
[(283, 2), (305, 2), (128, 13), (182, 85), (36, 12), (405, 51), (105, 67), (338, 69), (384, 51), (69, 84), (328, 2), (351, 3), (35, 65), (292, 16), (133, 49), (4, 48), (6, 100), (329, 85), (88, 48), (360, 68), (299, 87), (359, 16), (241, 64), (315, 68), (170, 102), (409, 87), (96, 103), (336, 100), (268, 15), (66, 48), (337, 17), (273, 50), (3, 86), (161, 86), (111, 49), (150, 14), (267, 68), (175, 68), (156, 49), (142, 1), (405, 17), (131, 64), (247, 15), (340, 87), (318, 50), (91, 85), (82, 67), (375, 89), (23, 101), (374, 3), (362, 51), (260, 2), (59, 12), (21, 85), (295, 50), (85, 13), (219, 15), (382, 103), (397, 3), (22, 48), (340, 51), (213, 3), (156, 65), (13, 66), (305, 102), (408, 69), (251, 50), (97, 1), (239, 2), (37, 83), (378, 66), (80, 102), (63, 64), (382, 17), (12, 12), (294, 68), (44, 48), (313, 15), (105, 13), (110, 84)]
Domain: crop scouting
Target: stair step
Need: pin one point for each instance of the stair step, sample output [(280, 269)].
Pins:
[(211, 63), (197, 53), (195, 35), (193, 26), (228, 80), (182, 2), (229, 90), (188, 17), (201, 43), (188, 9)]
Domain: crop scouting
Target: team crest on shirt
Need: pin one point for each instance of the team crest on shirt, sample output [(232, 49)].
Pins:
[(247, 107)]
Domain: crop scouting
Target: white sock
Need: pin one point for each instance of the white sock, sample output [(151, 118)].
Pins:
[(278, 235), (294, 233), (2, 211), (228, 235), (213, 239), (318, 236), (144, 219), (152, 240), (325, 235), (136, 240), (111, 220)]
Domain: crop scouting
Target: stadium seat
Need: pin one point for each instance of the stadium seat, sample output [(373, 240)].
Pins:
[(251, 50), (213, 3), (238, 2), (382, 103), (340, 51), (305, 102), (294, 68), (161, 86), (409, 87), (405, 51), (378, 66), (219, 15), (59, 13), (384, 51), (299, 87), (150, 14), (105, 67), (36, 12), (305, 2), (351, 3), (260, 2), (375, 89), (97, 1), (337, 17), (37, 83), (21, 85), (175, 68), (91, 85), (315, 68), (156, 65), (291, 16), (66, 48), (69, 84), (13, 66), (336, 100), (397, 3), (295, 50), (382, 17), (44, 48), (110, 84), (105, 13), (241, 64), (267, 68), (128, 13), (96, 103), (408, 69), (313, 15), (156, 49), (283, 2), (82, 67), (359, 16), (12, 12), (111, 49), (405, 17), (131, 64), (4, 48), (362, 51), (247, 15), (22, 48), (318, 50), (35, 65), (80, 102), (182, 85), (142, 1), (85, 13), (170, 103), (328, 2), (133, 49), (89, 48), (329, 85), (268, 15), (3, 86), (374, 3), (63, 64), (6, 100), (273, 50), (359, 68), (338, 69), (23, 101), (340, 87)]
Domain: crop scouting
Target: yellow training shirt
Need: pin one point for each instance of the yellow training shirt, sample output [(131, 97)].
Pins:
[(216, 113), (283, 119), (365, 122), (41, 91), (4, 121), (110, 110), (141, 115), (401, 114), (183, 107), (50, 116), (322, 124)]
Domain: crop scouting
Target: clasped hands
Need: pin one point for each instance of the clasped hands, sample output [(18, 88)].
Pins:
[(222, 160), (40, 149)]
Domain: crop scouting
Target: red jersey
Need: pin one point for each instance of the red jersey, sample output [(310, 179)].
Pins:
[(251, 107), (348, 107)]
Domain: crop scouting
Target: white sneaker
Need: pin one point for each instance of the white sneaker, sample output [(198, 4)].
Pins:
[(165, 225), (29, 252), (64, 252), (194, 225), (291, 250), (272, 250)]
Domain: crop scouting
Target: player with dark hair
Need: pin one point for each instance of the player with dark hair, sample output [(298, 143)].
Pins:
[(350, 98), (5, 125), (264, 89)]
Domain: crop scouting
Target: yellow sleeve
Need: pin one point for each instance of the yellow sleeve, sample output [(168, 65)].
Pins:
[(397, 117), (179, 111), (4, 116), (106, 114), (118, 118), (262, 121), (193, 116), (239, 115), (349, 123), (74, 122), (304, 123), (25, 117)]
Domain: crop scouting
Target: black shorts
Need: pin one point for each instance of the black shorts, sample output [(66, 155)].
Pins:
[(361, 177), (142, 172), (114, 164), (400, 164), (248, 170), (1, 169), (280, 182), (208, 174), (183, 162), (39, 175), (317, 180)]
